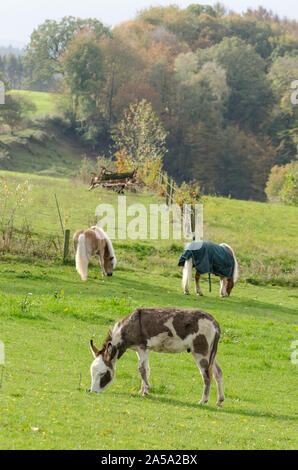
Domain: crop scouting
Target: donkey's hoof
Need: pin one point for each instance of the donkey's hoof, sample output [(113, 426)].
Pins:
[(200, 294), (186, 293), (202, 402), (219, 403)]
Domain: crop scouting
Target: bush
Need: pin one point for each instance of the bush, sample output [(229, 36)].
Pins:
[(12, 198), (289, 190), (282, 184), (275, 182)]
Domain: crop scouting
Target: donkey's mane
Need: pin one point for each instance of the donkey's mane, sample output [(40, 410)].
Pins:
[(109, 244), (107, 341)]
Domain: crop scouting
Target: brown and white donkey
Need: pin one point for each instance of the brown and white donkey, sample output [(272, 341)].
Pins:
[(93, 241), (168, 330)]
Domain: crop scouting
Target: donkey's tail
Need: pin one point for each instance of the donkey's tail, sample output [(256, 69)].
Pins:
[(186, 275), (213, 353), (82, 260), (236, 270)]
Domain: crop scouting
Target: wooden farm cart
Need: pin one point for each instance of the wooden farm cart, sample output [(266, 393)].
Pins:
[(115, 181)]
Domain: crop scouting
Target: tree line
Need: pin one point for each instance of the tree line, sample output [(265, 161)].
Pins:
[(219, 82)]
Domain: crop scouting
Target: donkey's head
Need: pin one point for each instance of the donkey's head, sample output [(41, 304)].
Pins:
[(102, 368), (226, 286), (109, 259)]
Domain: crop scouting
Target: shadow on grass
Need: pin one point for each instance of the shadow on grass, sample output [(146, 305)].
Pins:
[(148, 292), (207, 407)]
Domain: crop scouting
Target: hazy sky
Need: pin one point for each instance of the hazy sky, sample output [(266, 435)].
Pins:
[(18, 18)]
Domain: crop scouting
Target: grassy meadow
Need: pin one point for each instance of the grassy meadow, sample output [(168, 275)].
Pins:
[(45, 103), (48, 315)]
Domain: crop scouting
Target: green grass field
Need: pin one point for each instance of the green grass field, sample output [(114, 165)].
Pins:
[(48, 315), (45, 103)]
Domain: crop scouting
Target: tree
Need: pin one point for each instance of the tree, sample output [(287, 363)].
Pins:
[(83, 80), (82, 66), (258, 34), (140, 135), (14, 110), (49, 42), (283, 129), (133, 92), (282, 184), (210, 31), (122, 64), (202, 91), (250, 101), (289, 190), (188, 24)]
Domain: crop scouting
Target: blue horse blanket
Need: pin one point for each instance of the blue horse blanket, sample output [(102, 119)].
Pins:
[(209, 258)]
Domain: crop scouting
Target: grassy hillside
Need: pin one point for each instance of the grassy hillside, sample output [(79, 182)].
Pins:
[(48, 315), (45, 103), (45, 144), (45, 147), (264, 236)]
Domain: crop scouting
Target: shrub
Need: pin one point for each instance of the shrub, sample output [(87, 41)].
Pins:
[(289, 190), (12, 199), (282, 184), (275, 182), (187, 194)]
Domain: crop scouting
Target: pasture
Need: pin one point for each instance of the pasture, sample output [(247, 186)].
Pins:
[(48, 315), (45, 103)]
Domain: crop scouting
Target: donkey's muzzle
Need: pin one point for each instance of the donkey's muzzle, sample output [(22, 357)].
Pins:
[(110, 274)]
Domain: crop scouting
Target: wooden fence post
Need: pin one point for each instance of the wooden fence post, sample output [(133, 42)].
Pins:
[(168, 194), (58, 209), (66, 245), (193, 221), (172, 191), (196, 221)]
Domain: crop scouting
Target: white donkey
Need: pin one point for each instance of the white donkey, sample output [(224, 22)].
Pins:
[(93, 241)]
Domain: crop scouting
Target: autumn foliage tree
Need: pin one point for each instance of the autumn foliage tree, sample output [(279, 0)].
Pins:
[(141, 138), (218, 85)]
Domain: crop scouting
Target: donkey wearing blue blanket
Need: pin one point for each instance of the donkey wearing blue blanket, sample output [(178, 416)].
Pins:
[(208, 257)]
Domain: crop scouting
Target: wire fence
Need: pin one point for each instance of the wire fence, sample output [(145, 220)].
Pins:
[(44, 224), (192, 216), (164, 179)]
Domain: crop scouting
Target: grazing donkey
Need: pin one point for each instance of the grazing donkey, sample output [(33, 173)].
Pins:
[(207, 257), (168, 330), (93, 241)]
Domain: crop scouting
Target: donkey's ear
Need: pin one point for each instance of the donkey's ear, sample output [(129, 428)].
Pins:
[(94, 349)]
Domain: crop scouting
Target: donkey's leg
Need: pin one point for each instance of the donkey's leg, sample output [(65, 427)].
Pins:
[(223, 287), (197, 279), (217, 374), (186, 275), (203, 365), (144, 369), (101, 260)]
